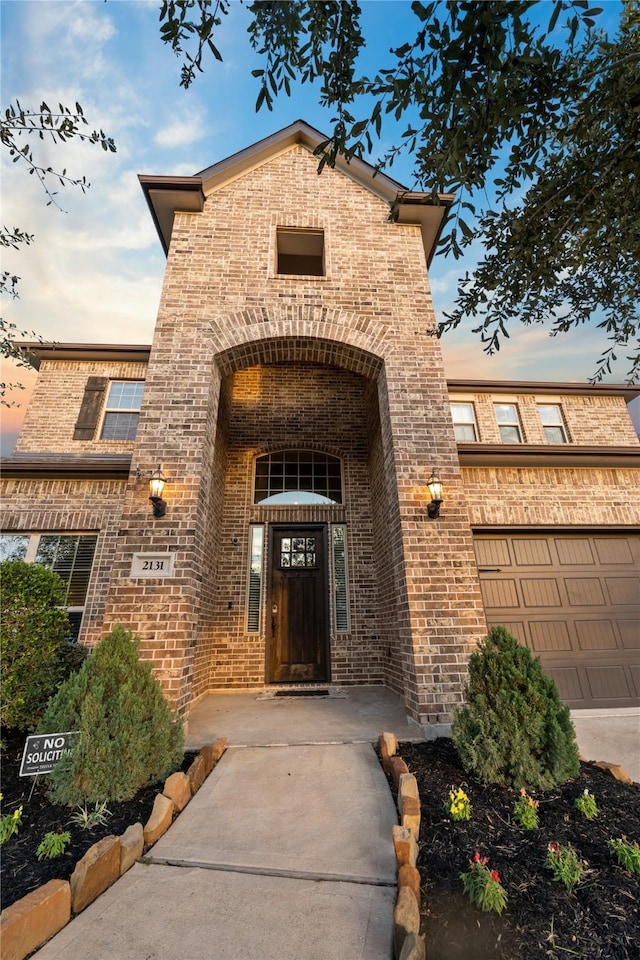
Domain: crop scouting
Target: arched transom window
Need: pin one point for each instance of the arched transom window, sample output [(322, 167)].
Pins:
[(298, 476)]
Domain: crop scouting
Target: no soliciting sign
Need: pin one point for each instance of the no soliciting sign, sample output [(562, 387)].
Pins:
[(42, 752)]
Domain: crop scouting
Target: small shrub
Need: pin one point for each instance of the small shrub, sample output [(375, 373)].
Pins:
[(483, 886), (565, 864), (53, 845), (35, 653), (10, 823), (128, 734), (628, 854), (525, 810), (513, 731), (458, 806), (89, 819), (586, 804)]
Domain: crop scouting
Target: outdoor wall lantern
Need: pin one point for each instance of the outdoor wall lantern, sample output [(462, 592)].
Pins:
[(156, 488), (434, 484)]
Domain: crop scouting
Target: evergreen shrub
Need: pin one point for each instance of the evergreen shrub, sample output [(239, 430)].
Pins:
[(35, 652), (128, 735), (513, 731)]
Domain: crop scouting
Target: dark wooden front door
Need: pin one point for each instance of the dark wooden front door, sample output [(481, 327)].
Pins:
[(297, 612)]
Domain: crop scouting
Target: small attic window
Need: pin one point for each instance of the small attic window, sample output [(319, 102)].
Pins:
[(300, 252)]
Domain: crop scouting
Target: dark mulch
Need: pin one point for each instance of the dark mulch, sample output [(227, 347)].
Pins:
[(21, 872), (600, 918)]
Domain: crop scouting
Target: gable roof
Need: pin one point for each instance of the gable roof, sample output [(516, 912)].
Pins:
[(168, 195)]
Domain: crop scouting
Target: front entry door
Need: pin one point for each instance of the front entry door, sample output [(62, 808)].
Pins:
[(297, 613)]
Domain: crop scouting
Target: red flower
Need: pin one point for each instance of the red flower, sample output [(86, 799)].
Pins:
[(495, 876), (476, 857)]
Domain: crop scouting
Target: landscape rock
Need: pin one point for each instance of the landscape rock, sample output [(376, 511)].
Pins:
[(395, 767), (31, 921), (160, 819), (409, 876), (413, 948), (406, 919), (196, 773), (131, 846), (207, 755), (98, 869), (388, 745), (178, 789), (219, 748), (405, 846), (616, 771)]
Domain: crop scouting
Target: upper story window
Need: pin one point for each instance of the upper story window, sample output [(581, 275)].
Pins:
[(296, 477), (122, 410), (464, 422), (508, 422), (300, 252), (552, 422), (69, 555)]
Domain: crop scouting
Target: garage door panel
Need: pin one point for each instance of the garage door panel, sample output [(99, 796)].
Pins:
[(629, 634), (567, 679), (608, 683), (574, 552), (500, 594), (618, 551), (584, 592), (549, 636), (532, 553), (623, 590), (493, 553), (580, 615), (596, 635), (540, 593)]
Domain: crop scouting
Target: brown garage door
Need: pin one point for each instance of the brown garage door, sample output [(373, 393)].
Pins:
[(574, 600)]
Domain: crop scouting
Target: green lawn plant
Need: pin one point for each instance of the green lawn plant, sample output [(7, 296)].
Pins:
[(89, 819), (35, 652), (586, 804), (628, 854), (525, 811), (128, 735), (483, 886), (565, 864), (53, 845), (513, 730)]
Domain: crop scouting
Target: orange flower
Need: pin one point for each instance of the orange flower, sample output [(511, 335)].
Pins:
[(495, 876)]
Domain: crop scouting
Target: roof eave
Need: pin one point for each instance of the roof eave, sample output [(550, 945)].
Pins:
[(546, 455), (37, 351), (54, 466)]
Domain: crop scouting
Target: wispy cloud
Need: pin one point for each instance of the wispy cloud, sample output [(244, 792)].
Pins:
[(180, 133)]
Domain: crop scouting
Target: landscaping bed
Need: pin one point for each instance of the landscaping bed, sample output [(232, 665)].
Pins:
[(599, 918), (21, 871)]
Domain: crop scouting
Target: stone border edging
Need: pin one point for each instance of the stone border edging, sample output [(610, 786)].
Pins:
[(408, 943), (28, 923)]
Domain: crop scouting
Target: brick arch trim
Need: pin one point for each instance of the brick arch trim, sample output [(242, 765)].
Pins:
[(316, 334)]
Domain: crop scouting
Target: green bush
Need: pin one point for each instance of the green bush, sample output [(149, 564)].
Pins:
[(513, 731), (35, 653), (128, 735)]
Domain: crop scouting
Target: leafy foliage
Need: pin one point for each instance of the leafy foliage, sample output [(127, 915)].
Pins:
[(53, 845), (513, 731), (35, 654), (128, 734), (525, 811), (483, 886), (565, 864), (10, 824), (587, 806), (628, 854), (534, 126)]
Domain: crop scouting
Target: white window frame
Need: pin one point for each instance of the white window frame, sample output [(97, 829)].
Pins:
[(473, 423), (255, 559), (115, 410), (517, 422), (557, 425), (335, 585)]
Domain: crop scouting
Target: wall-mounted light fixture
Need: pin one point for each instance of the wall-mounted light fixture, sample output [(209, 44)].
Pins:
[(156, 488), (434, 483)]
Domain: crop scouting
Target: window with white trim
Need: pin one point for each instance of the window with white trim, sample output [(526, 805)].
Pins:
[(508, 420), (254, 585), (300, 252), (340, 597), (122, 410), (464, 422), (69, 555), (552, 422), (297, 476)]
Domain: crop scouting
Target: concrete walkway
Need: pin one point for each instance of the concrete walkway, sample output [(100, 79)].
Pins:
[(285, 853)]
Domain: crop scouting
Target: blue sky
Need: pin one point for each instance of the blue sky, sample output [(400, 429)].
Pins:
[(94, 272)]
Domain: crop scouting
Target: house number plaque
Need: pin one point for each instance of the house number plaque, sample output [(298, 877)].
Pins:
[(152, 565)]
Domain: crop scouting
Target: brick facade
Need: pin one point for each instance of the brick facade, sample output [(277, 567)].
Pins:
[(246, 362)]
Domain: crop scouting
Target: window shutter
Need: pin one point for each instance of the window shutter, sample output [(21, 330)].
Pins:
[(90, 409)]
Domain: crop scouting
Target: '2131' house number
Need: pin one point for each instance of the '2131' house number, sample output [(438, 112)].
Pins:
[(152, 565)]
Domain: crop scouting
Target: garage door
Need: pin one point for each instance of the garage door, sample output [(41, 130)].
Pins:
[(574, 600)]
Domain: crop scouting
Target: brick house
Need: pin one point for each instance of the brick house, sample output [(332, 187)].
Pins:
[(295, 399)]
